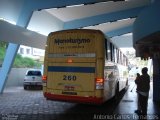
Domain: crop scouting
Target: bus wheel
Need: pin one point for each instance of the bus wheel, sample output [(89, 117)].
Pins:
[(116, 92), (127, 82), (25, 87)]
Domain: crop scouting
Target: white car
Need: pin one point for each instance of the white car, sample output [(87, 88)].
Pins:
[(33, 77)]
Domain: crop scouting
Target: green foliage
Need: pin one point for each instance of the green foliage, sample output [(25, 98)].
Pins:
[(125, 73), (20, 62), (2, 53), (3, 44), (137, 60)]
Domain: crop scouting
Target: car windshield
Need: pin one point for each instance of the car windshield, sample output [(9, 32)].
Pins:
[(34, 73)]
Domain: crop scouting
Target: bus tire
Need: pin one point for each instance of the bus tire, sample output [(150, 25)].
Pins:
[(116, 92), (25, 87)]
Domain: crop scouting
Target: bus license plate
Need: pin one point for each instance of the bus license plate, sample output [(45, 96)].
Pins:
[(69, 93), (69, 88)]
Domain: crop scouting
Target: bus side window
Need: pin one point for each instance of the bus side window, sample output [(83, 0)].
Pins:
[(111, 52), (105, 76), (106, 53), (115, 54), (116, 71)]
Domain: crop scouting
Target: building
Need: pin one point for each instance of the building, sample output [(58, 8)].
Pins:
[(34, 53)]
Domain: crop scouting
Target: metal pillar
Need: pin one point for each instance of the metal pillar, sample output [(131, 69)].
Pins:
[(156, 79)]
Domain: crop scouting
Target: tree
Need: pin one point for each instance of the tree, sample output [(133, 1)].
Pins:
[(3, 44)]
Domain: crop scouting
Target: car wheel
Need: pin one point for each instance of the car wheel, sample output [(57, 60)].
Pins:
[(25, 87)]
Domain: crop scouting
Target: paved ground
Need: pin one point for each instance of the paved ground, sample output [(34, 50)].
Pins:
[(16, 103), (128, 105), (19, 104)]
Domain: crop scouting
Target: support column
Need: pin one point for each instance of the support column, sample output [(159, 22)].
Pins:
[(6, 66), (12, 49), (156, 79)]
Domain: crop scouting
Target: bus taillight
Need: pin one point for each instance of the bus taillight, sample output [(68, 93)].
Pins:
[(99, 80), (44, 78), (69, 60), (99, 83)]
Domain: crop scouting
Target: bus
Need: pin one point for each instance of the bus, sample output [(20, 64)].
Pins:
[(83, 66)]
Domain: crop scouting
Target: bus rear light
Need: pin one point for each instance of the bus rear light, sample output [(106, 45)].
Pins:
[(44, 78), (99, 80), (99, 83), (69, 60)]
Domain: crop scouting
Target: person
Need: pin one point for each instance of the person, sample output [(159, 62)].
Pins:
[(137, 78), (138, 111), (110, 76), (143, 86)]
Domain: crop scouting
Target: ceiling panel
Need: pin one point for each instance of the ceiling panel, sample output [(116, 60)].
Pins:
[(83, 11), (107, 27), (72, 13)]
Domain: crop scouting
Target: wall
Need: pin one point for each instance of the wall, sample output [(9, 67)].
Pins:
[(16, 77)]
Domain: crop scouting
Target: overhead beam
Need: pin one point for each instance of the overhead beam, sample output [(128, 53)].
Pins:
[(120, 31), (123, 41), (46, 4), (147, 22), (103, 18), (29, 38), (20, 35)]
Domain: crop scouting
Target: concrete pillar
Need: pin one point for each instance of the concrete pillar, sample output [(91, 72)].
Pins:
[(12, 49), (156, 79), (145, 39), (6, 66)]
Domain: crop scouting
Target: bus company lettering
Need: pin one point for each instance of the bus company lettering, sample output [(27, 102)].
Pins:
[(70, 40)]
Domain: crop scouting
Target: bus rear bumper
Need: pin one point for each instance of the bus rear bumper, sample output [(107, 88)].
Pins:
[(78, 99)]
